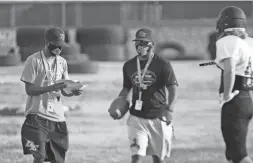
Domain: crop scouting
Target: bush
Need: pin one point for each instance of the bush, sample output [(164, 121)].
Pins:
[(101, 35), (105, 52), (33, 36)]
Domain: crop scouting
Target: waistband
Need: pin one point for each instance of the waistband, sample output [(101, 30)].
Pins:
[(34, 116), (238, 84)]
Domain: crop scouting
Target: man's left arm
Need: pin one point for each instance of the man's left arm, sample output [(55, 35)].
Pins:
[(171, 84), (172, 90)]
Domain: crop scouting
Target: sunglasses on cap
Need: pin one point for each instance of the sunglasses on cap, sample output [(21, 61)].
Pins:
[(143, 43)]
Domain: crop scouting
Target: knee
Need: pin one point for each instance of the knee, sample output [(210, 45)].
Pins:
[(136, 159), (156, 159), (38, 157), (38, 160)]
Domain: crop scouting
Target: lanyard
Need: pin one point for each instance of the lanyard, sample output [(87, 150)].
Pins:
[(140, 77), (52, 77)]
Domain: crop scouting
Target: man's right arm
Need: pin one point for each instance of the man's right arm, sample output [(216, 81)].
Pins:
[(33, 90), (127, 85), (124, 92), (29, 75)]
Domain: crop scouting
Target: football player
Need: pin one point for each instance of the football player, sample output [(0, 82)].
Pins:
[(234, 57), (149, 125)]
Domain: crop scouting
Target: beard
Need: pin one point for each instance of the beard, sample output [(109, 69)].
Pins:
[(142, 52)]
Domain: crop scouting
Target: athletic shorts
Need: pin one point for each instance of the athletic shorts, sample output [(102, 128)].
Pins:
[(235, 117), (44, 138), (149, 137)]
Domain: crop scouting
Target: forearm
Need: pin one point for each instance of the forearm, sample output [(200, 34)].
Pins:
[(172, 90), (36, 91), (124, 92), (228, 80)]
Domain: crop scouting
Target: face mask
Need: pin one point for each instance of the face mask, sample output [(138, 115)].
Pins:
[(55, 50)]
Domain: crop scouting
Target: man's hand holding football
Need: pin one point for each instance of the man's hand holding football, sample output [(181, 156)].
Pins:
[(77, 92)]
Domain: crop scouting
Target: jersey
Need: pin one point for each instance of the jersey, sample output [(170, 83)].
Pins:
[(239, 49), (159, 75), (36, 73), (249, 41)]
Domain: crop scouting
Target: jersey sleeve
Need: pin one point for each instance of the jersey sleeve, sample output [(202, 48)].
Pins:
[(29, 71), (126, 81), (227, 48), (169, 75)]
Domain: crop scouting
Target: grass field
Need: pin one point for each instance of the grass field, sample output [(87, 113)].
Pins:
[(96, 138)]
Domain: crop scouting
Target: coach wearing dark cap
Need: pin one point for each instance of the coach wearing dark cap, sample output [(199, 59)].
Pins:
[(44, 132), (150, 127)]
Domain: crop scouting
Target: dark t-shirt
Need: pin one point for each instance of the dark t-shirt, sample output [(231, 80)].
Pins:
[(159, 75)]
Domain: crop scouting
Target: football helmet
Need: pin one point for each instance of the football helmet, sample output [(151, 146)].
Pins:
[(231, 17)]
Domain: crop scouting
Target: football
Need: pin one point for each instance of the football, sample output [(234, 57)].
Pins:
[(118, 107)]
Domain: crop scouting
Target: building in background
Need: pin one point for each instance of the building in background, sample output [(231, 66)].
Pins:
[(76, 14)]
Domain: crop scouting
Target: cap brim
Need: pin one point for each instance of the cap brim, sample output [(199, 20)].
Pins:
[(60, 43)]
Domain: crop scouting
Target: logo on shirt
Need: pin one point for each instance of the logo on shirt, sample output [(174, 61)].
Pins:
[(148, 80)]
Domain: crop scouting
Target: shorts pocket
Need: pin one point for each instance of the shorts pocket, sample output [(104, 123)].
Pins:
[(31, 121), (36, 121), (132, 120), (41, 121), (129, 119), (62, 127)]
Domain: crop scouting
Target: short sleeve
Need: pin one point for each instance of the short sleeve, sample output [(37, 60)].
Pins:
[(226, 49), (65, 71), (29, 71), (126, 81), (169, 75)]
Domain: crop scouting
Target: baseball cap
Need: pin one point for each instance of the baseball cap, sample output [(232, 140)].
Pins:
[(56, 36), (144, 35)]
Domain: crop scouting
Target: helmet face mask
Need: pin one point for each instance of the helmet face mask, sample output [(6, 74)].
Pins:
[(230, 17)]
